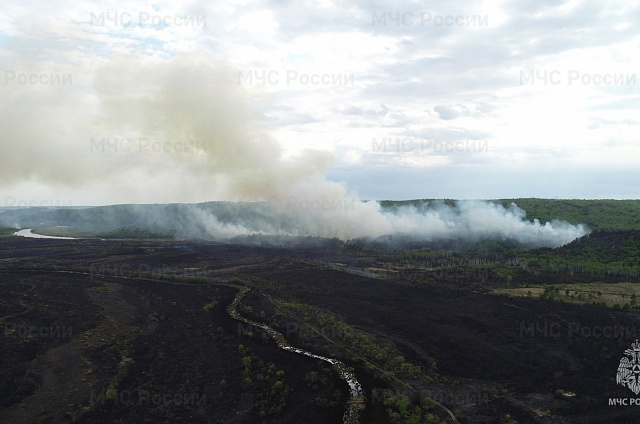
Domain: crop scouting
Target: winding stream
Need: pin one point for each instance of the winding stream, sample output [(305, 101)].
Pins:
[(357, 401)]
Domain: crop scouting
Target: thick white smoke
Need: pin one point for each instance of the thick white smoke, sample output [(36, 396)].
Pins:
[(468, 220), (102, 138), (477, 220)]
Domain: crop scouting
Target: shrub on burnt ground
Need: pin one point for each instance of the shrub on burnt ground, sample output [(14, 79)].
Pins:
[(236, 280), (361, 344), (400, 408), (266, 382)]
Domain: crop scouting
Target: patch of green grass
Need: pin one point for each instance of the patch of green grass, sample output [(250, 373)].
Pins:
[(236, 280), (209, 306), (59, 232), (7, 232), (589, 294), (502, 271)]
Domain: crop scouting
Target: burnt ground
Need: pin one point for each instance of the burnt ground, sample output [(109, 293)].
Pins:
[(82, 348), (81, 343)]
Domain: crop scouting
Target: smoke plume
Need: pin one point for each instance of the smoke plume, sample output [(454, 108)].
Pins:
[(185, 130)]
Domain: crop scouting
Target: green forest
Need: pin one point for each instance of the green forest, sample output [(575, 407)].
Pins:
[(602, 214)]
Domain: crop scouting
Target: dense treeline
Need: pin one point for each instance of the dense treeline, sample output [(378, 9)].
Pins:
[(601, 252), (611, 249), (598, 214), (603, 214)]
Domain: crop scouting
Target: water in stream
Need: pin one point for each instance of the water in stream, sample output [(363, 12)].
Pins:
[(28, 233), (357, 401)]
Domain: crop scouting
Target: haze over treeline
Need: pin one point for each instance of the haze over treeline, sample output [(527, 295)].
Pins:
[(426, 221), (227, 153)]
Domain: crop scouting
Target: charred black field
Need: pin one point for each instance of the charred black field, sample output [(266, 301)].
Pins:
[(138, 331), (151, 329)]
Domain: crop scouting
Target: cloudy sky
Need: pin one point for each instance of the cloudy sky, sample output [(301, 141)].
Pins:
[(126, 102)]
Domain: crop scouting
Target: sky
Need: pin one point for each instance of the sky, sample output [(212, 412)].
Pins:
[(131, 102)]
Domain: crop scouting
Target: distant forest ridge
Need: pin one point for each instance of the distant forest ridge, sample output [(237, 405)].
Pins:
[(163, 220)]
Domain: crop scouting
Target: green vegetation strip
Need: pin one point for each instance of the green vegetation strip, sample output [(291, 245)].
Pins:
[(357, 401), (620, 296), (361, 347), (7, 232)]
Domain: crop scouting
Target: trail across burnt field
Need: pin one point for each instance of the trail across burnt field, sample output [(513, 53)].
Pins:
[(507, 356)]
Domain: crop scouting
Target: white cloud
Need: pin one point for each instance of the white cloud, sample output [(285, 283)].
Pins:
[(542, 83)]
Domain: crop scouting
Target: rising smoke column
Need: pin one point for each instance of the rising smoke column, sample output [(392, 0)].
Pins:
[(55, 138)]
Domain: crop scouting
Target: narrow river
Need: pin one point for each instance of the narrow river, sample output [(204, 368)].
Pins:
[(28, 233), (357, 401)]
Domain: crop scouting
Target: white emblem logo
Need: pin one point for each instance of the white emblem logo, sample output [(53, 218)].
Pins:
[(629, 369)]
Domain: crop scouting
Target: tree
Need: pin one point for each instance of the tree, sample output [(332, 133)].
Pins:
[(246, 361)]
